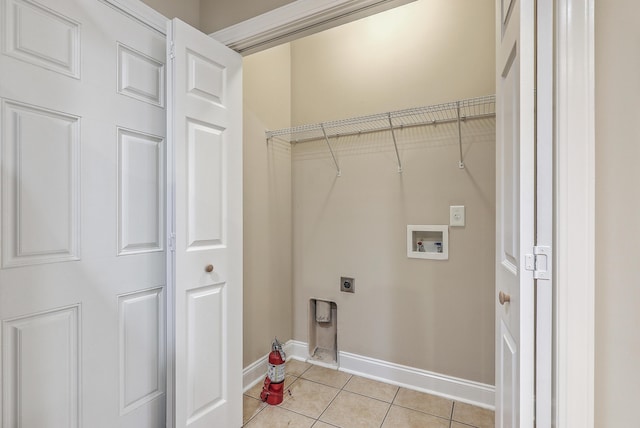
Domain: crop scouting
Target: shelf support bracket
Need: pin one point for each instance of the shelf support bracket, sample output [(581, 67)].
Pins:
[(395, 143), (326, 139), (460, 162)]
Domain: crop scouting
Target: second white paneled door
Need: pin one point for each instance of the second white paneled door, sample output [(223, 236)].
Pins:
[(206, 142), (83, 254), (515, 213)]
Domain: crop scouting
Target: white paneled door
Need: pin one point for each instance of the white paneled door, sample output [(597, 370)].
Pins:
[(205, 125), (515, 213), (83, 251)]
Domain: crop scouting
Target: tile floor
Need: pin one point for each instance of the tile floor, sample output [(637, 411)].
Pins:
[(325, 398)]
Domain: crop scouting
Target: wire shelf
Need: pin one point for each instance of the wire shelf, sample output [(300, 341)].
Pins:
[(419, 116)]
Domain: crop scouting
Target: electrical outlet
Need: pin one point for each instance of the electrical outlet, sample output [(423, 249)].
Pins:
[(348, 285)]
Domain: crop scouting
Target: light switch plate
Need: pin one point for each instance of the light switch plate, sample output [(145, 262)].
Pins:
[(456, 215)]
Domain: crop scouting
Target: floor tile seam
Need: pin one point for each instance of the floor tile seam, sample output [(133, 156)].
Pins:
[(296, 412), (254, 398), (386, 415), (329, 405), (460, 422), (361, 395), (463, 423), (422, 411), (320, 383), (367, 396), (318, 420), (288, 386), (262, 407), (347, 382), (303, 372), (390, 406), (334, 398)]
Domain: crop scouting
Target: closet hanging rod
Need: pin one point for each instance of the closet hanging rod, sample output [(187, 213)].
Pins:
[(473, 108)]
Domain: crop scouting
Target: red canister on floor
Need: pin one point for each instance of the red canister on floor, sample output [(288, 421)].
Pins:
[(272, 391)]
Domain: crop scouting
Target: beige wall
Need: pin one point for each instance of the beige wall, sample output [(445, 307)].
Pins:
[(433, 315), (430, 51), (267, 203), (186, 10), (617, 359)]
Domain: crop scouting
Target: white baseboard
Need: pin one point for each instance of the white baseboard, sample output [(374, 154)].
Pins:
[(476, 393), (254, 372)]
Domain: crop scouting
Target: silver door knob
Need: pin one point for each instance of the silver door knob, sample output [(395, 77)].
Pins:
[(209, 268), (504, 297)]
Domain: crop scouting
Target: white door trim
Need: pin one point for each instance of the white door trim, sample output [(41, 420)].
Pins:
[(575, 193), (544, 210), (574, 215), (295, 20)]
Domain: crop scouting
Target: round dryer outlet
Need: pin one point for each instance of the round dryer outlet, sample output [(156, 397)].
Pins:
[(348, 285)]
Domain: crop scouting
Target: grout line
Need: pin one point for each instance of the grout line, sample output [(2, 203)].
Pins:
[(423, 412), (292, 411), (395, 395), (367, 396), (387, 414), (390, 406), (334, 398), (256, 413), (328, 405)]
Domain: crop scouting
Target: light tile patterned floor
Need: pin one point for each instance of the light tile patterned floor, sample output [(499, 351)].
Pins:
[(325, 398)]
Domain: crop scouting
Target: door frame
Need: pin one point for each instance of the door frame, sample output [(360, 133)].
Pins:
[(574, 214), (574, 170)]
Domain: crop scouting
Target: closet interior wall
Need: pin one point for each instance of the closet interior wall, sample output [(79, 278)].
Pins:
[(268, 269), (428, 314)]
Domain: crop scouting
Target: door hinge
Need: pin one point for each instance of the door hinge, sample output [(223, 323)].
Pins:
[(172, 242), (539, 262), (172, 50)]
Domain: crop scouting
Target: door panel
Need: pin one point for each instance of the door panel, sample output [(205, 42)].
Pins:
[(40, 178), (82, 283), (59, 51), (141, 347), (508, 396), (206, 368), (140, 192), (515, 216), (206, 187), (42, 391), (207, 140), (140, 76)]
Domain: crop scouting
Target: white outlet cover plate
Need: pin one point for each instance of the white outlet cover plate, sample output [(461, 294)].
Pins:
[(456, 215)]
